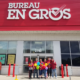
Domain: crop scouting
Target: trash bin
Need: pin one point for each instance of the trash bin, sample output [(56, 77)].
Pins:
[(60, 70)]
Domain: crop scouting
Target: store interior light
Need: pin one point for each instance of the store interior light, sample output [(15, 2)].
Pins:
[(38, 42)]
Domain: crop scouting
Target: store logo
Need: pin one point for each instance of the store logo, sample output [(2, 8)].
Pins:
[(36, 13)]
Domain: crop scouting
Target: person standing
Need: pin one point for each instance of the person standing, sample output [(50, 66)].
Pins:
[(35, 70), (30, 65), (49, 67), (0, 67), (54, 67), (45, 69), (41, 69)]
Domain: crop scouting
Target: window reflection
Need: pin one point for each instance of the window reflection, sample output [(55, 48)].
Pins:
[(49, 47), (12, 47), (65, 59), (3, 46), (74, 46), (64, 47), (76, 60), (26, 47), (25, 66), (38, 47)]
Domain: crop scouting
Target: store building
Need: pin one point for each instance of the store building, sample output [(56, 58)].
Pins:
[(42, 29)]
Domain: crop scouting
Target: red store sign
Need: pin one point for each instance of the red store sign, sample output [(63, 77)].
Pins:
[(40, 15)]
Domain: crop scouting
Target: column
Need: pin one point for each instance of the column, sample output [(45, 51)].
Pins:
[(19, 56), (57, 54)]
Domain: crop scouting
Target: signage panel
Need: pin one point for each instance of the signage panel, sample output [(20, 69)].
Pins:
[(11, 59), (39, 15), (2, 58)]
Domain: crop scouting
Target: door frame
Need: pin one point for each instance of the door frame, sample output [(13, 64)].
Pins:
[(36, 55)]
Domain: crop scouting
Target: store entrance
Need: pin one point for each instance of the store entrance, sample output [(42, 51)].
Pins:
[(33, 57), (38, 57)]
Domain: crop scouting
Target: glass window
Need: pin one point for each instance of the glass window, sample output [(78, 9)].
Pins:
[(3, 59), (64, 47), (65, 59), (25, 66), (49, 46), (3, 46), (26, 59), (12, 47), (38, 47), (74, 46), (26, 47), (33, 58), (76, 60), (49, 57), (25, 69), (42, 57)]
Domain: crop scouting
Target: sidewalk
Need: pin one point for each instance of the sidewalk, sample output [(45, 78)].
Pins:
[(24, 77)]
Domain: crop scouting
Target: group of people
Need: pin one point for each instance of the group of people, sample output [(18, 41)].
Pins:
[(49, 72)]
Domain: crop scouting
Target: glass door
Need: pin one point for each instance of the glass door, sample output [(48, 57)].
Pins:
[(34, 57), (25, 65), (26, 60), (42, 57)]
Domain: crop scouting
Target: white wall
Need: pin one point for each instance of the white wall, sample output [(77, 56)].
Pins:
[(4, 70), (75, 71), (66, 35)]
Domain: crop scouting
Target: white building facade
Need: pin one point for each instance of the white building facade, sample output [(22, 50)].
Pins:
[(62, 46)]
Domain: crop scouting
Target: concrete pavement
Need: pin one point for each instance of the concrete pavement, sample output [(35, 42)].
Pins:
[(24, 77)]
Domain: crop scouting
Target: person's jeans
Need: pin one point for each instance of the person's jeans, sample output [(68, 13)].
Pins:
[(35, 71), (41, 72), (45, 72), (54, 72)]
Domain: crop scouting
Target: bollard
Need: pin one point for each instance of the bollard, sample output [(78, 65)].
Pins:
[(0, 67), (14, 70), (62, 71), (16, 78), (67, 70), (9, 69)]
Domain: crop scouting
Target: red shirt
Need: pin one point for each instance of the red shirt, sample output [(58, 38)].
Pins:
[(41, 64), (53, 64), (49, 63), (45, 62), (34, 63), (30, 64)]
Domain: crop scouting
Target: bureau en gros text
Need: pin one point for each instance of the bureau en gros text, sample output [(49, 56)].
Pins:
[(35, 13)]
